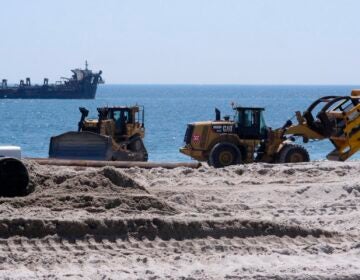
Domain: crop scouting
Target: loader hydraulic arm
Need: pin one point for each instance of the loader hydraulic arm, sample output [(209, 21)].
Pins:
[(338, 119)]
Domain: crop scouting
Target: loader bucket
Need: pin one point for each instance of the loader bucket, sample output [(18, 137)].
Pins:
[(81, 145)]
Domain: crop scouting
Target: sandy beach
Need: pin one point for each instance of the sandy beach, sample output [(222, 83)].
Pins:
[(257, 221)]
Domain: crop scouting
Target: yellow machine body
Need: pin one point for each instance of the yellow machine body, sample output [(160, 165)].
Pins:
[(246, 138), (117, 134)]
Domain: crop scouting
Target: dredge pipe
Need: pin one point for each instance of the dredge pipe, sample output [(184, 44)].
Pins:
[(117, 164), (14, 177)]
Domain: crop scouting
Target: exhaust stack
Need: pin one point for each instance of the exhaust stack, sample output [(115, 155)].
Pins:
[(217, 114)]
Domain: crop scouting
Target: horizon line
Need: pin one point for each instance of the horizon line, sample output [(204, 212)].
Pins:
[(219, 84)]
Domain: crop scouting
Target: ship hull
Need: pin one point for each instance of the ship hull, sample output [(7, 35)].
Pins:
[(49, 92)]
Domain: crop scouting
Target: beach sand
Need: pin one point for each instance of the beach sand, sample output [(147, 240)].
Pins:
[(262, 221)]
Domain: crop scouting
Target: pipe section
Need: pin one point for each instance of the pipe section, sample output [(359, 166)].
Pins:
[(14, 177), (117, 164)]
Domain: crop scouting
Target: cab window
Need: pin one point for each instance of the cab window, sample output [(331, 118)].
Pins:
[(249, 118), (116, 115), (263, 127)]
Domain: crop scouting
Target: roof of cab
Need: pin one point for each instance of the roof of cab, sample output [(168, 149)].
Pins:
[(249, 108)]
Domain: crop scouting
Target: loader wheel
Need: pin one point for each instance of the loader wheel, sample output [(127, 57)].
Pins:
[(224, 154), (293, 153)]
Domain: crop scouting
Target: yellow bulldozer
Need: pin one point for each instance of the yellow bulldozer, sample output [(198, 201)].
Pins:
[(246, 138), (117, 134)]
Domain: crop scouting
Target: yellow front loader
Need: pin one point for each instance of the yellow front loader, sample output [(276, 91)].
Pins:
[(246, 138)]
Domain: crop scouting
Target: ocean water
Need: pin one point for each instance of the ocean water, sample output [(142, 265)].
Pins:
[(168, 109)]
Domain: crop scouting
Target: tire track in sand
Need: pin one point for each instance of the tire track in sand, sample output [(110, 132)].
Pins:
[(56, 246)]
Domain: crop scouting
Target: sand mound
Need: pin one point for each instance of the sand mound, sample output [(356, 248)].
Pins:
[(71, 193), (42, 177), (289, 221)]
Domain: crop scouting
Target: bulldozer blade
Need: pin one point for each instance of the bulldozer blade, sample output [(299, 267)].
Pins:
[(81, 145)]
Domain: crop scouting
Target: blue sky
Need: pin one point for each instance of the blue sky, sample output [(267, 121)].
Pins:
[(185, 41)]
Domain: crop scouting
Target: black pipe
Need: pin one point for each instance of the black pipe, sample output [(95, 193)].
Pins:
[(116, 164), (14, 177)]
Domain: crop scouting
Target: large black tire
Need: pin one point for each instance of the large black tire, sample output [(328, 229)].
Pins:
[(224, 154), (292, 153)]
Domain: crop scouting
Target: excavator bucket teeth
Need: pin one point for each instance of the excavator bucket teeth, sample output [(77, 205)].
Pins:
[(81, 145)]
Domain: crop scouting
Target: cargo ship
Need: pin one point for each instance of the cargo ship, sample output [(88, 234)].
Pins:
[(82, 85)]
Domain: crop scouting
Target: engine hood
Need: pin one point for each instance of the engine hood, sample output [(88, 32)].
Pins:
[(212, 123)]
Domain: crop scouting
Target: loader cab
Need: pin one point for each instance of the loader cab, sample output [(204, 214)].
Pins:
[(250, 123)]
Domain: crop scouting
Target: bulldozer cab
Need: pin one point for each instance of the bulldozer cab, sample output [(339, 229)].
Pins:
[(250, 123), (127, 121), (119, 122), (121, 117)]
